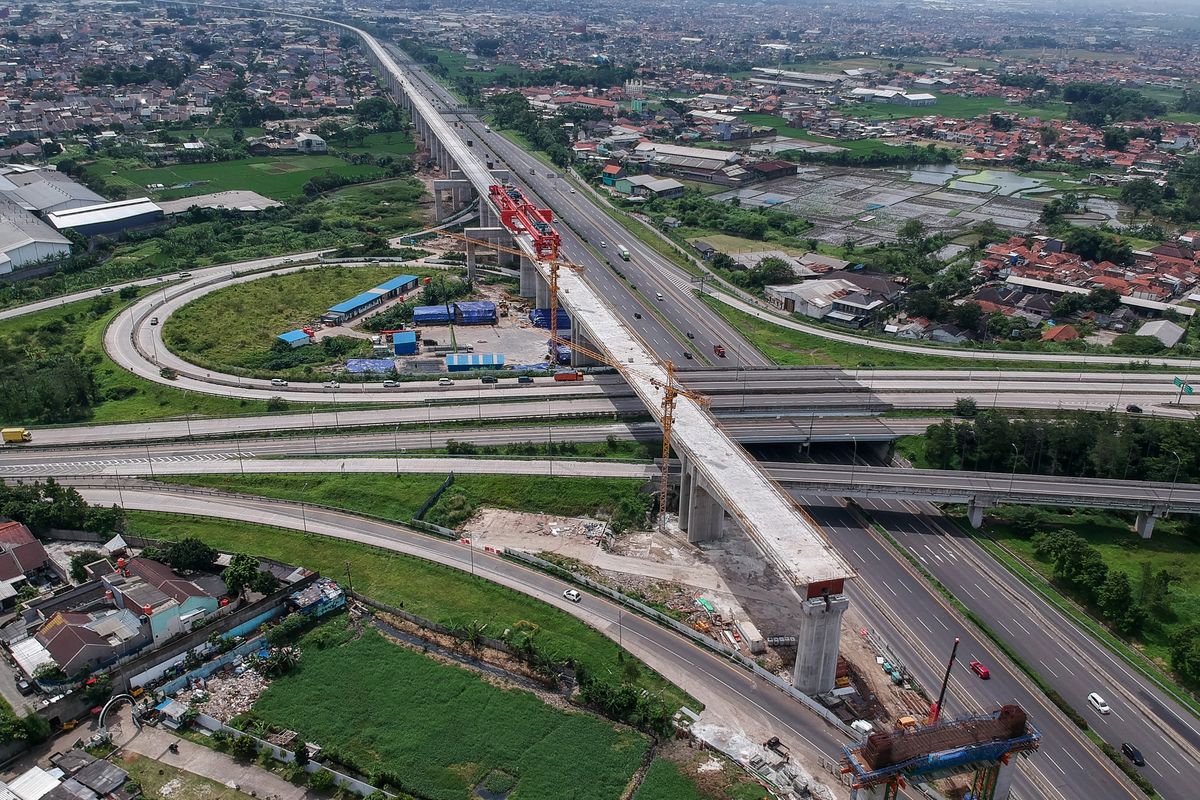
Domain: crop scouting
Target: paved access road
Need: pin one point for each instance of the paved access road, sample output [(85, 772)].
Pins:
[(1068, 658), (730, 695)]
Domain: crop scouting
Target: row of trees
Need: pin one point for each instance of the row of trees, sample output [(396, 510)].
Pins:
[(1081, 567), (43, 506), (1099, 104), (1077, 444), (511, 110), (888, 157)]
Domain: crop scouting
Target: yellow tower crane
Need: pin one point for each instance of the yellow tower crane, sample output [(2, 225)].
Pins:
[(670, 389)]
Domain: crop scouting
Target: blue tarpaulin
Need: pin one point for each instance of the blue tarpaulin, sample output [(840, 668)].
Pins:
[(358, 366), (540, 317), (475, 312), (431, 315)]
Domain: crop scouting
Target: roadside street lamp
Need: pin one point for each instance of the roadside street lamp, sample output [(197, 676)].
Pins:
[(1175, 477), (853, 460), (1013, 475), (150, 462)]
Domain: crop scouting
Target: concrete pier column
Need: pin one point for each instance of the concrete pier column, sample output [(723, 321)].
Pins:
[(541, 294), (529, 278), (817, 643), (483, 234), (975, 511), (706, 517), (1145, 523), (685, 492)]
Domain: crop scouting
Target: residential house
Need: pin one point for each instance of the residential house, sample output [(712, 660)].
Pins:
[(1060, 333), (1164, 330), (171, 603), (23, 559)]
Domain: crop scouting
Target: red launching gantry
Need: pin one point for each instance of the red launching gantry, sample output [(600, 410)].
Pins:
[(521, 216)]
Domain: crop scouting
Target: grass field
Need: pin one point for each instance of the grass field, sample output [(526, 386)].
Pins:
[(79, 327), (235, 327), (1170, 548), (781, 127), (698, 776), (438, 593), (277, 177), (393, 144), (957, 107), (161, 781), (441, 730), (399, 497), (456, 66)]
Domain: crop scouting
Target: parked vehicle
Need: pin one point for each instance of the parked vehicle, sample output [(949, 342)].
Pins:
[(24, 687), (568, 375), (17, 435), (980, 670), (278, 382), (572, 595), (1097, 702), (1133, 754)]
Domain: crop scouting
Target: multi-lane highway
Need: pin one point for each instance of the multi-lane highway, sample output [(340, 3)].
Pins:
[(1068, 658)]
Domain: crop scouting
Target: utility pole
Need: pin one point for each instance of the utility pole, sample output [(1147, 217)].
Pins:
[(349, 583)]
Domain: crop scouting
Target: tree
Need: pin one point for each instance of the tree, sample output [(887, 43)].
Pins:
[(1185, 653), (486, 48), (241, 574), (190, 555), (301, 752), (1115, 599), (1141, 194), (1115, 138), (1096, 245), (82, 559), (965, 407), (725, 261), (244, 748), (912, 231), (967, 315)]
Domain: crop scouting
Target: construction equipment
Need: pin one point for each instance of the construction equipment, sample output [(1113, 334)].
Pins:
[(670, 389), (554, 264), (522, 217)]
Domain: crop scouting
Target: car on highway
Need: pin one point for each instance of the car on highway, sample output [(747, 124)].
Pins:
[(154, 320), (687, 355), (691, 335), (637, 315), (106, 290), (658, 296), (572, 595), (980, 670), (390, 384), (1133, 754), (525, 379), (603, 243), (278, 382), (445, 382), (1133, 408), (185, 274), (488, 379), (332, 385), (572, 191), (719, 349), (1097, 702)]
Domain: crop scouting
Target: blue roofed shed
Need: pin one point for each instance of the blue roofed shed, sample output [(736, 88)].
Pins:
[(296, 338), (404, 343), (462, 362), (364, 302)]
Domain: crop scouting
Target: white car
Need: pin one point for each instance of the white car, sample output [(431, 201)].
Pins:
[(154, 320), (572, 595), (332, 385), (603, 244), (1097, 702), (445, 382), (278, 382), (390, 384)]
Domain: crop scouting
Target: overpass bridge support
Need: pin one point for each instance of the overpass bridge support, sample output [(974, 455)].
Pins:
[(460, 191), (1145, 523), (975, 509), (817, 641), (700, 515), (494, 235)]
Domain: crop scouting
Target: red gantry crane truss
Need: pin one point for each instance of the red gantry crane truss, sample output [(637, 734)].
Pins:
[(521, 216)]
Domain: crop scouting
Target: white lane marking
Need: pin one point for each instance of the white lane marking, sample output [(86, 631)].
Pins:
[(1064, 666)]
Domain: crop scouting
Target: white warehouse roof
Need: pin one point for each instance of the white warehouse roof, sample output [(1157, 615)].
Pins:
[(105, 212)]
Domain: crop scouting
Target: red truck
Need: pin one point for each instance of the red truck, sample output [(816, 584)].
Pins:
[(719, 349), (568, 375)]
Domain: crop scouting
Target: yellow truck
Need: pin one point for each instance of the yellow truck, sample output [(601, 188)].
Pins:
[(16, 435)]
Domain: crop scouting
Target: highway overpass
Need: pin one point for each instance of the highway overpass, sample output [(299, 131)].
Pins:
[(981, 490)]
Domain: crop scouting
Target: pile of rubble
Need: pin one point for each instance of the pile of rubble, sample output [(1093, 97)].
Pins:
[(225, 695)]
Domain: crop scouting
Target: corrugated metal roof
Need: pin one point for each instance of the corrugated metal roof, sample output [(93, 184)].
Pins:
[(103, 212), (354, 302), (293, 336), (475, 360), (398, 282), (409, 337), (33, 784)]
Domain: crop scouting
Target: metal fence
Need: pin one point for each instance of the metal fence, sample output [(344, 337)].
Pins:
[(695, 636)]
